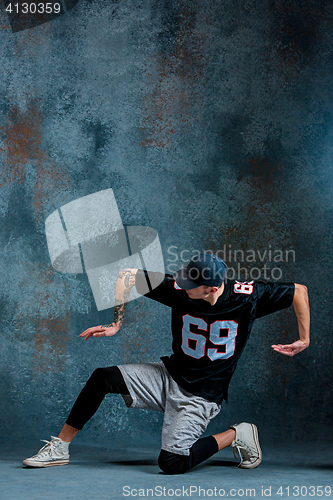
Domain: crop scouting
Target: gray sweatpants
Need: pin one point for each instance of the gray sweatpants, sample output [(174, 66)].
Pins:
[(186, 416)]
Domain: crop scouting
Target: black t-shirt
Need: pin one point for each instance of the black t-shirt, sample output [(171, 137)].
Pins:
[(208, 340)]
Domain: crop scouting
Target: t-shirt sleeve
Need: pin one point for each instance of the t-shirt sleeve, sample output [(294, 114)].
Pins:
[(272, 297), (155, 286)]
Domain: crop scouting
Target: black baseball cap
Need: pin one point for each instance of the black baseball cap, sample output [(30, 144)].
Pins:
[(205, 269)]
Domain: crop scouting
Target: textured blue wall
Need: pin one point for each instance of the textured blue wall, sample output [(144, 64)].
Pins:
[(212, 121)]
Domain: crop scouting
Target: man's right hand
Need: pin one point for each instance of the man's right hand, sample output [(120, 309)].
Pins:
[(100, 331)]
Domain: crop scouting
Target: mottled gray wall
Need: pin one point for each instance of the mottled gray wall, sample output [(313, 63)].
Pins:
[(212, 121)]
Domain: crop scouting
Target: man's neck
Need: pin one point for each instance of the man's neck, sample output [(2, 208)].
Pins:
[(212, 297)]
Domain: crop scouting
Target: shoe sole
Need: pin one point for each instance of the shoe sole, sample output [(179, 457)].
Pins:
[(29, 463), (259, 459)]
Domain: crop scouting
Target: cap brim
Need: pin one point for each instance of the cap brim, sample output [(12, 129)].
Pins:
[(183, 281)]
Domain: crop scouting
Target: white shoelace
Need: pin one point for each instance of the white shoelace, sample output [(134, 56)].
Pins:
[(238, 453), (47, 448)]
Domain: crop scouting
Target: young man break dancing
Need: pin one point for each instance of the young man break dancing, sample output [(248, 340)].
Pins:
[(212, 319)]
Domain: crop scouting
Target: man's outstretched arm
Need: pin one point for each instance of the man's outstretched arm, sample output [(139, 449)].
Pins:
[(302, 311), (125, 283)]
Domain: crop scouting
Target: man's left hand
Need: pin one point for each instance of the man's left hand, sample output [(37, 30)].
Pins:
[(290, 349)]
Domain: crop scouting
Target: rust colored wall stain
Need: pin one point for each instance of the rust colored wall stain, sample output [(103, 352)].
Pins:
[(50, 179), (22, 143), (167, 107), (49, 344), (35, 312)]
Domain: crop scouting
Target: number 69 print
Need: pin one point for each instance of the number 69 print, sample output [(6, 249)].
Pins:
[(199, 350)]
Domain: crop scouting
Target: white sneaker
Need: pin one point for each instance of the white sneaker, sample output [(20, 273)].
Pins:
[(246, 445), (54, 452)]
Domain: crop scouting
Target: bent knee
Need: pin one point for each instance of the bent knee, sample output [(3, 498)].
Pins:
[(98, 373), (108, 380), (97, 377), (109, 373), (171, 463), (101, 380)]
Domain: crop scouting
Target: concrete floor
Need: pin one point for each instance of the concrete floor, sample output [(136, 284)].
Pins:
[(108, 473)]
